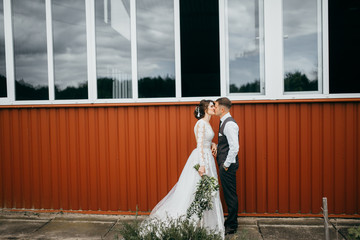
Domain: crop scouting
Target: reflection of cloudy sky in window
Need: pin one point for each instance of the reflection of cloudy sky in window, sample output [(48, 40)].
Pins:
[(243, 27), (30, 49), (301, 29), (155, 41), (113, 47), (69, 42), (2, 41), (69, 31), (155, 37), (300, 48)]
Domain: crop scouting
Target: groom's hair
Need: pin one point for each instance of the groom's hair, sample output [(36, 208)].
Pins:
[(224, 101)]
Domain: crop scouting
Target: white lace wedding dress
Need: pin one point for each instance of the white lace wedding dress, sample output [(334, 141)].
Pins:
[(177, 201)]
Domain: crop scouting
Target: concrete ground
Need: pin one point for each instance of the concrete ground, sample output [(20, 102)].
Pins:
[(30, 225)]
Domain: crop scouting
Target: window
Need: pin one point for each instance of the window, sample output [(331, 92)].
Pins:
[(245, 46), (200, 54), (177, 50), (70, 52), (30, 50), (302, 45), (344, 47), (155, 48), (3, 86), (113, 48)]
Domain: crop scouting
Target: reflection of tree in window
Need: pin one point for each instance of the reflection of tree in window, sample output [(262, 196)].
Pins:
[(113, 88), (156, 87), (72, 92), (297, 81), (246, 88), (26, 91)]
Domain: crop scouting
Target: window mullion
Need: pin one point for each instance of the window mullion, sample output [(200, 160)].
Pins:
[(262, 47), (224, 48), (177, 49), (274, 66), (325, 47), (133, 50), (91, 52), (50, 52), (9, 51)]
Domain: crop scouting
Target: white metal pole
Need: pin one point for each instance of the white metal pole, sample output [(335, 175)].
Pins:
[(326, 220)]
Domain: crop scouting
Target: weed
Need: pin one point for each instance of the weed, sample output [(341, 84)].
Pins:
[(169, 229), (354, 233)]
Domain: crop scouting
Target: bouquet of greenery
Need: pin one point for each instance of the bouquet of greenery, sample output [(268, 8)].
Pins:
[(206, 188)]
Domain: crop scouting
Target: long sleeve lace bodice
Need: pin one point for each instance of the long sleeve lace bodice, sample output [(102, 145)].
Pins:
[(204, 135)]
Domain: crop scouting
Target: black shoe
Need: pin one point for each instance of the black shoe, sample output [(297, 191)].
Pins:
[(229, 231)]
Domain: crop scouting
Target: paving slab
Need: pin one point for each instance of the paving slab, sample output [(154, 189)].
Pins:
[(247, 229), (247, 221), (345, 222), (19, 228), (291, 221), (20, 225), (296, 232), (343, 225), (295, 228), (246, 232), (75, 228), (114, 232)]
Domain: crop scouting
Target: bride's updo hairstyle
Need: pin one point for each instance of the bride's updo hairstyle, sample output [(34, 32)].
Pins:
[(199, 112)]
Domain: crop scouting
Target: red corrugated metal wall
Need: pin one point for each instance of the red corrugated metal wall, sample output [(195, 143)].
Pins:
[(115, 158)]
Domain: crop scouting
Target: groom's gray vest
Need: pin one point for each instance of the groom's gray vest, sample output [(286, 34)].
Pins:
[(223, 144)]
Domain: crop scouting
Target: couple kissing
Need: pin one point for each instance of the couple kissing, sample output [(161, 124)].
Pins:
[(176, 203)]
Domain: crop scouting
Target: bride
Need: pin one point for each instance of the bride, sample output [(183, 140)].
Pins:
[(177, 201)]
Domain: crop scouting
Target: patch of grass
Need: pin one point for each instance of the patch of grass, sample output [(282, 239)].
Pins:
[(169, 229), (354, 233)]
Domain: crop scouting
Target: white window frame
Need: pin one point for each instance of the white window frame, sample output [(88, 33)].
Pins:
[(9, 57), (273, 51)]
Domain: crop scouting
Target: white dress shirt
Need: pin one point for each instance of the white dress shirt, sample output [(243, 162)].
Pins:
[(231, 131)]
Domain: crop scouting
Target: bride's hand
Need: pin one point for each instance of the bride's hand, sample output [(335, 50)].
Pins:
[(201, 170)]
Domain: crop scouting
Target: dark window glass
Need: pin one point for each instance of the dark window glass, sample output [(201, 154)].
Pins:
[(113, 49), (200, 57), (3, 89), (70, 52), (155, 48), (344, 47), (30, 50)]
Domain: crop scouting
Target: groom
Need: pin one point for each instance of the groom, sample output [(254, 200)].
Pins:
[(226, 155)]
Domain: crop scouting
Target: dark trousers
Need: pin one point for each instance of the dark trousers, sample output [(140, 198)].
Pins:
[(228, 183)]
